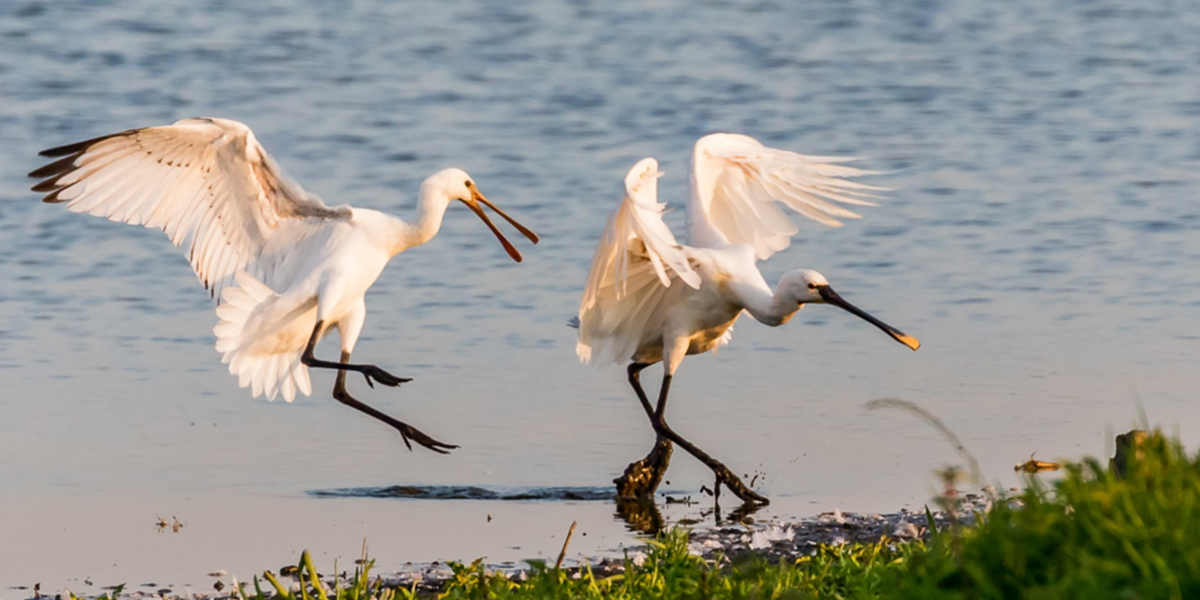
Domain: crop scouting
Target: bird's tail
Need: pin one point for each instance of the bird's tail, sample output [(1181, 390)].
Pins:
[(261, 340)]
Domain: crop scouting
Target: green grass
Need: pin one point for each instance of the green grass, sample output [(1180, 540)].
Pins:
[(670, 572), (1089, 535)]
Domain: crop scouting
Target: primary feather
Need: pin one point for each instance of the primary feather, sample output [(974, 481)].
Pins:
[(738, 184), (206, 183), (635, 263)]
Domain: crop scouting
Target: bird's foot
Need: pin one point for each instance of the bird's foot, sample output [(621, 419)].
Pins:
[(641, 478), (722, 473), (408, 432), (728, 479), (372, 372)]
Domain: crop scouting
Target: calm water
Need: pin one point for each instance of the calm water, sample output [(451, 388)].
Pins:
[(1042, 242)]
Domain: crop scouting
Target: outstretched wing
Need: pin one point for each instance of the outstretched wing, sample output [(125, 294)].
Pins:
[(736, 183), (207, 183), (636, 260)]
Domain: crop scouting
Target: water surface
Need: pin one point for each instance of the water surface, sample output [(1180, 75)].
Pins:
[(1041, 241)]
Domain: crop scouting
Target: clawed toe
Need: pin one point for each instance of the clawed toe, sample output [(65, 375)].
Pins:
[(408, 432), (383, 377), (735, 485)]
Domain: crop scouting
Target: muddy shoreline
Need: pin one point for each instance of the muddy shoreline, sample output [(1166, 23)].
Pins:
[(730, 537), (773, 539)]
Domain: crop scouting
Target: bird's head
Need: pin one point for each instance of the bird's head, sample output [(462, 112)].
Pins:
[(806, 286), (455, 184), (803, 285)]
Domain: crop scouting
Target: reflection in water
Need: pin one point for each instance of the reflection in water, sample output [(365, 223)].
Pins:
[(640, 515), (736, 515), (643, 516)]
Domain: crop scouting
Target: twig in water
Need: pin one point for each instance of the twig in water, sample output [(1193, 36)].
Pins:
[(563, 553)]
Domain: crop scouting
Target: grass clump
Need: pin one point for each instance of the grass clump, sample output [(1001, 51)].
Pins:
[(670, 571), (1093, 534)]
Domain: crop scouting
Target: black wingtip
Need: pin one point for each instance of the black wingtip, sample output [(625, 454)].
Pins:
[(51, 173), (57, 167), (48, 185), (52, 197), (78, 147), (75, 148)]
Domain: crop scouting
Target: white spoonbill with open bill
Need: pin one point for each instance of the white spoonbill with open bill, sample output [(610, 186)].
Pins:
[(651, 299), (287, 268)]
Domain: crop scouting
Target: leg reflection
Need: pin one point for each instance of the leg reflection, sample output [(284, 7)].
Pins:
[(641, 515)]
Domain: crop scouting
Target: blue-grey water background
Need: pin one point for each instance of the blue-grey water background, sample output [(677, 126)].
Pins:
[(1042, 241)]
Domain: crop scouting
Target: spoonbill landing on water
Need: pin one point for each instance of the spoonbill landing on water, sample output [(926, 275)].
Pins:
[(287, 268), (650, 299)]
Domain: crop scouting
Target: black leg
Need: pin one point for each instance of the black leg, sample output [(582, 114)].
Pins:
[(723, 474), (368, 371), (407, 431), (635, 371), (642, 477)]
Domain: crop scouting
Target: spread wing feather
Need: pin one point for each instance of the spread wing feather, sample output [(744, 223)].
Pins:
[(636, 261), (738, 186), (206, 183)]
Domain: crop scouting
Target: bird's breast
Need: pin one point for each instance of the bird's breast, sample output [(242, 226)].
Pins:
[(709, 338), (711, 315)]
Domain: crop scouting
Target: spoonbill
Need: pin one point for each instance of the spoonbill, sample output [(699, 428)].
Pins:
[(286, 268), (650, 299)]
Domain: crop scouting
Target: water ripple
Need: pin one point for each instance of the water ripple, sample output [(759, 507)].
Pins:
[(467, 492)]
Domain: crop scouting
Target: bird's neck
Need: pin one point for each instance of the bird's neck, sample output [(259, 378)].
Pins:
[(431, 207), (769, 308)]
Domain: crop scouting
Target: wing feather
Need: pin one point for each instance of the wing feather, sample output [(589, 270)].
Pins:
[(206, 183), (635, 263), (738, 185)]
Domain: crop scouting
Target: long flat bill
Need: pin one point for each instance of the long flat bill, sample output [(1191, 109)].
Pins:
[(508, 247), (533, 237), (833, 298)]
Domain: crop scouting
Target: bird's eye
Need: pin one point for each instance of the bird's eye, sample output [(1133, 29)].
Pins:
[(467, 183), (812, 286)]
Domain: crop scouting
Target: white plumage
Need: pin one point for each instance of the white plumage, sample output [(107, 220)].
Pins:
[(267, 361), (738, 184), (287, 267), (734, 219), (649, 298), (635, 264)]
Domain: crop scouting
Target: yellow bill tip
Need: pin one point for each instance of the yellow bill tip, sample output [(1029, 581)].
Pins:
[(909, 341)]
